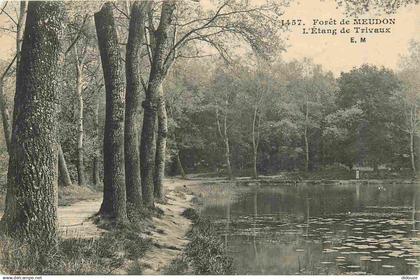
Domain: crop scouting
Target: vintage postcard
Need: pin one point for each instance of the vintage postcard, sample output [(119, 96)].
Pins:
[(210, 137)]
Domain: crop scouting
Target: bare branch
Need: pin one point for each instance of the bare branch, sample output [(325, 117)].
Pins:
[(7, 14), (8, 68), (121, 11), (79, 33)]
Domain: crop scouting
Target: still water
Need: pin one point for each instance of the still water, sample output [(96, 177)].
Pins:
[(321, 229)]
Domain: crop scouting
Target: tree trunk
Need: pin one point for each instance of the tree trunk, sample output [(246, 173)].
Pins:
[(224, 135), (133, 103), (20, 29), (413, 122), (5, 116), (114, 200), (305, 136), (413, 163), (63, 172), (31, 200), (227, 149), (80, 119), (153, 94), (227, 158), (180, 168), (160, 149), (95, 176), (254, 145)]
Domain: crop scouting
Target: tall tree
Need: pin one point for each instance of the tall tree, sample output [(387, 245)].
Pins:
[(373, 90), (79, 63), (409, 74), (114, 199), (154, 99), (31, 201), (136, 35), (180, 36)]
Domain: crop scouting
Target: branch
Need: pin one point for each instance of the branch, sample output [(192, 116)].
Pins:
[(8, 67), (8, 29), (216, 15), (7, 14), (79, 33), (121, 11)]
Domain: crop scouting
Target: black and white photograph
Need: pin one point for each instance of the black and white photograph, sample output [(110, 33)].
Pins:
[(210, 137)]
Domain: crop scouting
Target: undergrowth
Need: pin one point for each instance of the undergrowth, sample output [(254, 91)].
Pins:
[(103, 255), (205, 253)]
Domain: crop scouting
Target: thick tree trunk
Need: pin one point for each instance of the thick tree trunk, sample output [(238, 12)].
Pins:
[(80, 131), (180, 167), (114, 200), (147, 152), (133, 102), (150, 105), (5, 116), (31, 202), (160, 149), (63, 172)]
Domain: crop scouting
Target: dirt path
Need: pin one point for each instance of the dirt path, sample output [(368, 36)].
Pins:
[(168, 234), (74, 220)]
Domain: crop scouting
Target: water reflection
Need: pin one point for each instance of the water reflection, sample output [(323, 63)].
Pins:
[(348, 229)]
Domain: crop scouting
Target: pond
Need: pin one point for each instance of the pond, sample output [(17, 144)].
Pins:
[(320, 229)]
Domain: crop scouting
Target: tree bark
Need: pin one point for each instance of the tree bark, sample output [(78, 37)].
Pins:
[(254, 144), (23, 6), (63, 172), (305, 136), (180, 167), (95, 176), (136, 35), (225, 138), (31, 200), (160, 149), (5, 116), (80, 119), (114, 200), (150, 104), (413, 123), (227, 158)]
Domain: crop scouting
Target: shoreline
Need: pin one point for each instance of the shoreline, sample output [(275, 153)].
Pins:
[(270, 180)]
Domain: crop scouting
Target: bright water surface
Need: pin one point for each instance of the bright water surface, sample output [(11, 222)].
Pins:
[(321, 229)]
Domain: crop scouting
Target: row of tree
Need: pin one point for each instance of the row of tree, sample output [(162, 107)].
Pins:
[(58, 51), (293, 116)]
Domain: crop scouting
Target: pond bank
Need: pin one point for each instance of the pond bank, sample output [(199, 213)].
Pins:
[(274, 180)]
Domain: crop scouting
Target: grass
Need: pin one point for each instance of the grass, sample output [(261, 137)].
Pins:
[(204, 254), (75, 256)]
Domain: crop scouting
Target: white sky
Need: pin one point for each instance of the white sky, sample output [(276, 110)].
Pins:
[(335, 53)]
